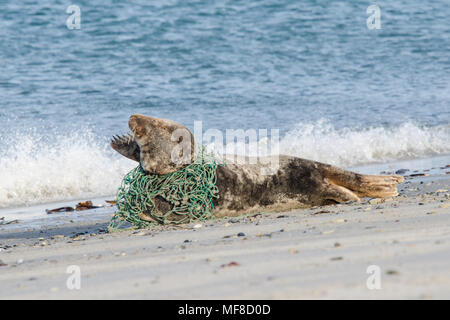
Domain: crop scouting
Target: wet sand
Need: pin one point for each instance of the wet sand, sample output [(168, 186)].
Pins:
[(321, 252)]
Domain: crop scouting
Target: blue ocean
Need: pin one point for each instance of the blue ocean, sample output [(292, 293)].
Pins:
[(338, 91)]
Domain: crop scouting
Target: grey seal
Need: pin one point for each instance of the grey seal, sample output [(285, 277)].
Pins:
[(297, 183)]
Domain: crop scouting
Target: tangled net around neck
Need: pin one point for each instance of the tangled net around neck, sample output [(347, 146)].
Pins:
[(180, 197)]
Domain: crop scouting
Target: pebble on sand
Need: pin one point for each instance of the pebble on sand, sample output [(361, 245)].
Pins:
[(231, 264), (336, 258), (392, 272), (376, 201)]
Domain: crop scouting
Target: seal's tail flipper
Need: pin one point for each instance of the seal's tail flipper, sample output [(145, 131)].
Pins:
[(364, 185), (126, 146), (377, 186)]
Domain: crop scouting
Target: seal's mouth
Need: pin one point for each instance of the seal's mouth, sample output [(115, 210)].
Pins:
[(143, 169)]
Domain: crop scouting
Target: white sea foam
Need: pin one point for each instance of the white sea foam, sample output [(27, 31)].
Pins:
[(321, 141), (346, 147), (71, 167), (34, 170)]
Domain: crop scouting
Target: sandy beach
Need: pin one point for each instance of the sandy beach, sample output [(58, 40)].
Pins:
[(91, 91), (315, 253)]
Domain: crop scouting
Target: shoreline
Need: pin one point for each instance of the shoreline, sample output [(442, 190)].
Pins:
[(37, 212), (320, 252)]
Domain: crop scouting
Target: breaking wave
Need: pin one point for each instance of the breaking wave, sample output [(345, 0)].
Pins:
[(346, 147), (35, 169)]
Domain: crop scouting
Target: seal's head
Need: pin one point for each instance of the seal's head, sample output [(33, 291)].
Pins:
[(165, 146)]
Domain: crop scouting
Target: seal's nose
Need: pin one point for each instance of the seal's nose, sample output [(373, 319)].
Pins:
[(137, 124), (133, 122)]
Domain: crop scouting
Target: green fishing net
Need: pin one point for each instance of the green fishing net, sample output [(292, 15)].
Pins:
[(179, 197)]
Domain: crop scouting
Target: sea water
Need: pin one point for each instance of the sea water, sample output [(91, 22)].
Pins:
[(337, 91)]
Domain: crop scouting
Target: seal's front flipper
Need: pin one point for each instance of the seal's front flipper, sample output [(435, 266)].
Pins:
[(126, 146)]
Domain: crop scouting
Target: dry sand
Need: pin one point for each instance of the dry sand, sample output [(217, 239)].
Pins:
[(304, 254)]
